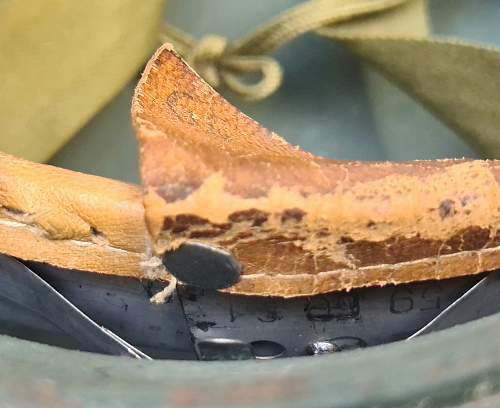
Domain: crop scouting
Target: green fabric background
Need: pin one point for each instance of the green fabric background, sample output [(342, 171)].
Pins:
[(62, 61)]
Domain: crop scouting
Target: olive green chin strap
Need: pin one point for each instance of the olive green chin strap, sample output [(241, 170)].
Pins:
[(457, 81)]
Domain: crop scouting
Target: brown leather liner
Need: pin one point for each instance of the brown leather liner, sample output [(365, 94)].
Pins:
[(301, 224), (71, 220)]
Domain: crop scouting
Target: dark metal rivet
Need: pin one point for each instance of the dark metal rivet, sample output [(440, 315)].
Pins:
[(204, 266)]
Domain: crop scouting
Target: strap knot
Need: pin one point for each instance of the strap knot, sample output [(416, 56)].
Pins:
[(205, 58), (222, 64), (213, 60)]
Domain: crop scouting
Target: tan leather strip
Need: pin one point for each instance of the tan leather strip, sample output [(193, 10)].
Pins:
[(301, 224), (445, 266), (71, 220)]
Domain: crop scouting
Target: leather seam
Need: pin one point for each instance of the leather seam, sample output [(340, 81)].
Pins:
[(40, 231)]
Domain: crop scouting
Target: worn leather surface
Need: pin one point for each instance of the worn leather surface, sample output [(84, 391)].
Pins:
[(301, 224), (298, 224), (70, 219)]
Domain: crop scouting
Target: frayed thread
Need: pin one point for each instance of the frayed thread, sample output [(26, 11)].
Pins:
[(164, 295), (154, 269)]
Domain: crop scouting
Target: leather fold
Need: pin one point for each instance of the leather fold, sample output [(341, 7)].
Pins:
[(71, 220)]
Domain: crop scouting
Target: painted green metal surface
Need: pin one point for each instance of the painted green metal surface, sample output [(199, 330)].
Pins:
[(442, 369)]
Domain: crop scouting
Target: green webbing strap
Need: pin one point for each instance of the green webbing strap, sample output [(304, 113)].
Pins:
[(457, 81)]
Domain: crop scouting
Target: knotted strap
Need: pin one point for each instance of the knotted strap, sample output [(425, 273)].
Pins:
[(219, 62), (217, 66), (456, 80)]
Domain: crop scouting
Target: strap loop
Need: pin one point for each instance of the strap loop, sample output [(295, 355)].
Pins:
[(208, 58), (220, 63), (205, 57), (271, 75)]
